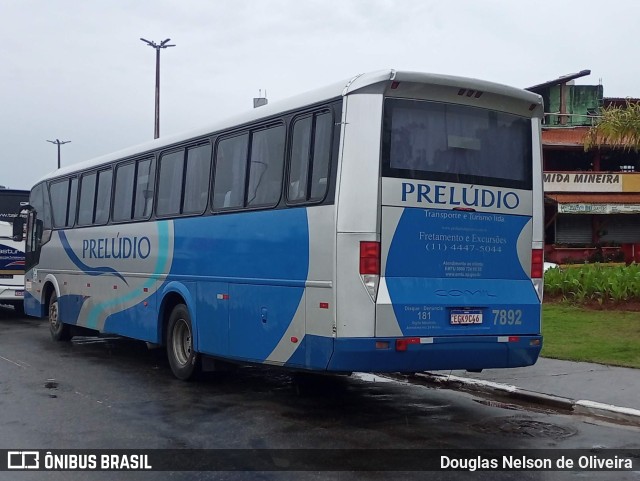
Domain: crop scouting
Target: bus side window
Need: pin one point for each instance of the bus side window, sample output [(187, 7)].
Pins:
[(123, 196), (59, 192), (87, 198), (103, 197), (310, 158), (321, 155), (230, 172), (45, 214), (299, 159), (73, 202), (63, 196), (145, 180), (265, 171), (170, 183), (196, 184)]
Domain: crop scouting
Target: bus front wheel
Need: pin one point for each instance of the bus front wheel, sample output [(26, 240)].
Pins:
[(59, 330), (184, 361)]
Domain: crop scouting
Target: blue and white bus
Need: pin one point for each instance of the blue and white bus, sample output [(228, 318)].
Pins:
[(391, 222)]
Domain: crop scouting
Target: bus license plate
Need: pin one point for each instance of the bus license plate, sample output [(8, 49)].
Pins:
[(20, 293), (466, 317)]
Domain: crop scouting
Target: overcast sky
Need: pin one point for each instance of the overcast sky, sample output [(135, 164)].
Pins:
[(76, 70)]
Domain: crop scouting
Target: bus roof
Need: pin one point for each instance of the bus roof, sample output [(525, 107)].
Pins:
[(333, 91)]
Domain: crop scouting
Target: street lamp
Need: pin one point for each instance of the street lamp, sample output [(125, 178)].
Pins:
[(163, 44), (59, 143)]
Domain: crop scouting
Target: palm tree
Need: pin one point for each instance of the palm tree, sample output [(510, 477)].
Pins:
[(618, 127)]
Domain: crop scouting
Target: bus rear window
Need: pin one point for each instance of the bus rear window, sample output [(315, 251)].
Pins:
[(456, 143)]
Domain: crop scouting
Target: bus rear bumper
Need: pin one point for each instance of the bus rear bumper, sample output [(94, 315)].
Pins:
[(11, 294), (423, 354)]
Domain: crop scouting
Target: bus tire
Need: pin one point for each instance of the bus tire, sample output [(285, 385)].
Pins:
[(59, 330), (183, 359)]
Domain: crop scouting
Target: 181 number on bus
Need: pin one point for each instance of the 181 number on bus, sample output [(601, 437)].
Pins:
[(504, 317)]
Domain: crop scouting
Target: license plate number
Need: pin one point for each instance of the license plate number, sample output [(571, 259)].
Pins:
[(466, 317), (20, 293)]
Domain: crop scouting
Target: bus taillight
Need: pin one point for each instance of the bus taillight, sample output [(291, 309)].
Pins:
[(370, 267), (537, 263), (370, 258)]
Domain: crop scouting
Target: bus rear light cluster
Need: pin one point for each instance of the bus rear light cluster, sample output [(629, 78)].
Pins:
[(370, 267), (370, 258), (537, 263), (403, 344)]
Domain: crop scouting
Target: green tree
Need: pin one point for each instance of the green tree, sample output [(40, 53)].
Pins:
[(618, 127)]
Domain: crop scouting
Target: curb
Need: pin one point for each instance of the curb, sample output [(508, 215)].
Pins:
[(582, 407)]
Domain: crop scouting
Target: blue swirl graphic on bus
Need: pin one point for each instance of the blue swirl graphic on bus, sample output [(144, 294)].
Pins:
[(162, 266), (92, 271)]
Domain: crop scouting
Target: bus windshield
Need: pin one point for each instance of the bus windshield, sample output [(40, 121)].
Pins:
[(456, 143)]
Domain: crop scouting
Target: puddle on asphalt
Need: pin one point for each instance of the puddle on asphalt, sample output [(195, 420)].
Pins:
[(523, 427), (51, 384), (485, 399)]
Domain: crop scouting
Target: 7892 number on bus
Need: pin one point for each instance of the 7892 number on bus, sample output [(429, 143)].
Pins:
[(507, 317)]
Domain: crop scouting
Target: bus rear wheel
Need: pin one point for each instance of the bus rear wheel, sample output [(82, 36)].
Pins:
[(59, 330), (183, 359)]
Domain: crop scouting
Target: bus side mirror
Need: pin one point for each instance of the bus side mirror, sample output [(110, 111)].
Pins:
[(18, 229)]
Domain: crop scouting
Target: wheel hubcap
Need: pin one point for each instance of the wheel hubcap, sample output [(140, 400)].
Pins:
[(53, 316), (182, 342)]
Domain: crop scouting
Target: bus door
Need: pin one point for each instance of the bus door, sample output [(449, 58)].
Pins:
[(33, 238)]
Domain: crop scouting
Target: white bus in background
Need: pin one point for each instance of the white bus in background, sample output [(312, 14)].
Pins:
[(392, 222), (11, 268), (11, 253), (11, 202)]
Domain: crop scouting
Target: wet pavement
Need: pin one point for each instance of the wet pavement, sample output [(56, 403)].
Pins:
[(109, 392), (610, 391)]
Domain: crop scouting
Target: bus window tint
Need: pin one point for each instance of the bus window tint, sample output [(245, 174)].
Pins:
[(299, 163), (170, 183), (265, 167), (144, 189), (231, 167), (196, 184), (456, 143), (73, 202), (59, 192), (310, 149), (321, 156), (103, 198), (87, 198), (123, 197), (33, 240)]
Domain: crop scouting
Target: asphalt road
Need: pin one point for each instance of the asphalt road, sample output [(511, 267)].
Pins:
[(114, 393)]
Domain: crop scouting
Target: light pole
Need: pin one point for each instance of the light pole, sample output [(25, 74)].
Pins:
[(163, 44), (59, 143)]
